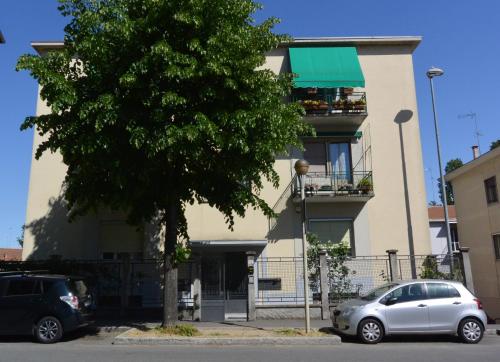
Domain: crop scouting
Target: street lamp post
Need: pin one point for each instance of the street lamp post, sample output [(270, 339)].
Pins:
[(431, 73), (301, 168)]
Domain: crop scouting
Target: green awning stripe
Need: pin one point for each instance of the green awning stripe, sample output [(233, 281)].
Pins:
[(326, 67)]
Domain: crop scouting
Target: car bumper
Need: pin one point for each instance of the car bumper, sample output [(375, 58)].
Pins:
[(77, 320), (343, 325)]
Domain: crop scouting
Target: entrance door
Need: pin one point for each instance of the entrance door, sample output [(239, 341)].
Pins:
[(212, 288), (236, 286), (224, 287)]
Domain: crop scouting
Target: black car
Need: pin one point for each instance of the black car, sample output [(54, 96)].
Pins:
[(43, 305)]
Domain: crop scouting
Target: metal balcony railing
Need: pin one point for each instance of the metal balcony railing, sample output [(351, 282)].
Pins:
[(330, 104), (356, 183)]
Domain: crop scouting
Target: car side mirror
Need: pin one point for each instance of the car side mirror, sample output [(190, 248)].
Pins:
[(391, 301)]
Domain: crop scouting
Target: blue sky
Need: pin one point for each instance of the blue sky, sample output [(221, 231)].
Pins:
[(460, 36)]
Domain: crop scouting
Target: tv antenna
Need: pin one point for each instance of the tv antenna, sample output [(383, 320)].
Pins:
[(477, 134)]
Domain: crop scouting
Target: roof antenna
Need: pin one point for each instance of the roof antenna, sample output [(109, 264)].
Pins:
[(477, 134)]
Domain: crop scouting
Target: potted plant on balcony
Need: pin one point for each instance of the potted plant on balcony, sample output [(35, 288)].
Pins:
[(313, 106), (365, 185), (338, 104), (310, 189), (348, 105), (348, 91), (360, 104)]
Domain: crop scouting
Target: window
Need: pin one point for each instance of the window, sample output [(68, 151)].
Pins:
[(315, 154), (22, 287), (496, 245), (47, 285), (441, 290), (408, 293), (490, 186), (375, 293), (333, 231), (329, 157)]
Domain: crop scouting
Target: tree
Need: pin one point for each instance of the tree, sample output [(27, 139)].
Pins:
[(450, 166), (165, 105), (494, 144), (20, 238)]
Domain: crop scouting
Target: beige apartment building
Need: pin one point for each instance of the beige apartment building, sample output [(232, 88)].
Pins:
[(475, 187), (365, 186)]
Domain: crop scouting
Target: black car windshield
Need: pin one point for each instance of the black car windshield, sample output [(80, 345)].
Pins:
[(378, 292)]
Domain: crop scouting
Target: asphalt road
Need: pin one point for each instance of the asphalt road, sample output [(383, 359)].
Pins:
[(96, 348)]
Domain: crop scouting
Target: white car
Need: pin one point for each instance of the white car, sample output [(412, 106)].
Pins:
[(413, 307)]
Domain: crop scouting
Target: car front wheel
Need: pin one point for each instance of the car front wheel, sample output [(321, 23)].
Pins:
[(470, 330), (48, 330), (370, 331)]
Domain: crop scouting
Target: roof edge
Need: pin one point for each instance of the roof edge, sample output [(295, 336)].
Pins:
[(485, 157), (43, 46), (412, 41)]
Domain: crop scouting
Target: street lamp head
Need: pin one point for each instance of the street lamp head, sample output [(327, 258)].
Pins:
[(301, 167), (434, 72)]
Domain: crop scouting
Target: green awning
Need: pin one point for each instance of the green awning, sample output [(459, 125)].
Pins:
[(326, 67)]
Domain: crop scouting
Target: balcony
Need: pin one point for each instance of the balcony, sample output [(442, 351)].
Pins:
[(339, 106), (336, 187)]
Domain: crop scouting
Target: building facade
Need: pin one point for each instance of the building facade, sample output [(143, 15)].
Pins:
[(437, 226), (475, 188), (365, 186)]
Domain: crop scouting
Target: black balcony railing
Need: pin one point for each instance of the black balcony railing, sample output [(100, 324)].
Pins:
[(356, 183), (328, 104)]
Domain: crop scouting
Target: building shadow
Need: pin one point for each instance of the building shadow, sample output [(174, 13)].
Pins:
[(50, 231), (401, 118)]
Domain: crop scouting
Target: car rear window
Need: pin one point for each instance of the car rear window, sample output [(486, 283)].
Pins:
[(78, 287), (441, 290)]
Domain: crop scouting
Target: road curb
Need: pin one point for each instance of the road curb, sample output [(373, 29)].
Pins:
[(198, 341), (492, 332), (110, 329)]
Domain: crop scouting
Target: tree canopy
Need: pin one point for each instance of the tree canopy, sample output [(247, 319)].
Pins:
[(451, 165), (494, 144), (156, 104)]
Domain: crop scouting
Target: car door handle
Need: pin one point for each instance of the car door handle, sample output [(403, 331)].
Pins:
[(422, 305), (457, 303)]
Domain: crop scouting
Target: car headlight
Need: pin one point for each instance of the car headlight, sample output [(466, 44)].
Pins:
[(351, 309)]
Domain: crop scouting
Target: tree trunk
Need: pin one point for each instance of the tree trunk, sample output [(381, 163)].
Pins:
[(170, 309)]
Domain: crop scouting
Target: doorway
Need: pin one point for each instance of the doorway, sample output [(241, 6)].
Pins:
[(224, 287)]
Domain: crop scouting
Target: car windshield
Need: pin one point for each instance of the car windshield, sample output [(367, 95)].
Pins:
[(378, 292)]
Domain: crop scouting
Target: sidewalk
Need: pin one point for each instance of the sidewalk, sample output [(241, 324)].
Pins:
[(126, 323)]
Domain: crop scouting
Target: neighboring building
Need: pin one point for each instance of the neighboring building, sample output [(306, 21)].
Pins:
[(10, 254), (437, 225), (475, 188), (365, 184)]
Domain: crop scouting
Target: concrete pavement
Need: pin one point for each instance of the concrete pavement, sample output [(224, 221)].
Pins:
[(94, 348)]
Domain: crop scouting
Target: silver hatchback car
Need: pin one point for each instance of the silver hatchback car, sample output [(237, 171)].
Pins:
[(413, 307)]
